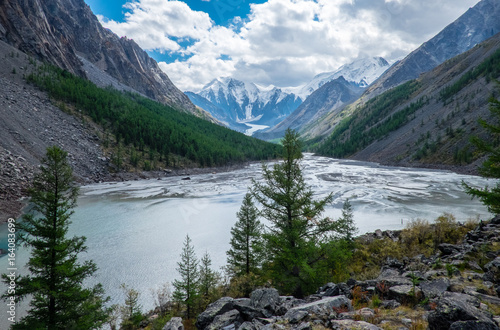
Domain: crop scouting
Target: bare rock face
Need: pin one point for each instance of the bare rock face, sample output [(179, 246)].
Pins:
[(58, 31)]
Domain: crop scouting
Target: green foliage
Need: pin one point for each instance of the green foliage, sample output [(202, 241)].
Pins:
[(208, 281), (142, 122), (490, 68), (186, 289), (58, 298), (245, 255), (131, 310), (491, 167), (372, 121), (418, 237), (298, 240)]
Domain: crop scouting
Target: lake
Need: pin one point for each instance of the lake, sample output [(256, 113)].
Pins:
[(135, 230)]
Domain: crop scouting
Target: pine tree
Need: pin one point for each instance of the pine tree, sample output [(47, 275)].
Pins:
[(491, 167), (208, 280), (131, 310), (58, 298), (245, 255), (186, 289), (345, 226), (298, 236)]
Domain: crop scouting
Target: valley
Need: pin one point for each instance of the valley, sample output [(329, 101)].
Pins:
[(351, 159)]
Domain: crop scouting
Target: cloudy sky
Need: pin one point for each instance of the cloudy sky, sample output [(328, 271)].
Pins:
[(280, 42)]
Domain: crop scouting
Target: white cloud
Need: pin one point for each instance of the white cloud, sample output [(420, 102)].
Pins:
[(282, 42)]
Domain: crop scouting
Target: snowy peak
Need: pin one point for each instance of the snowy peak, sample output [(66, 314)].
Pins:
[(361, 73)]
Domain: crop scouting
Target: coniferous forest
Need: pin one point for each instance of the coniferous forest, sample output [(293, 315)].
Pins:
[(138, 121)]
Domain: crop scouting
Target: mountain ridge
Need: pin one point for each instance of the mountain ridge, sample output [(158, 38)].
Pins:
[(61, 31), (474, 26), (418, 125)]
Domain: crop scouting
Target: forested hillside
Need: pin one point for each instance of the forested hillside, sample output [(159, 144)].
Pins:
[(428, 120), (149, 126)]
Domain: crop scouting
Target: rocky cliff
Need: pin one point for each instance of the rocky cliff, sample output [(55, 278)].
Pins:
[(60, 32)]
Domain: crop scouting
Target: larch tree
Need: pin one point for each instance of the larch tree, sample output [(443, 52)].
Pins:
[(491, 167), (246, 254), (58, 298), (208, 280), (186, 289), (298, 236)]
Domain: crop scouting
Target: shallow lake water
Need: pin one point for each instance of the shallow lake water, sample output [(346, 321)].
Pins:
[(135, 230)]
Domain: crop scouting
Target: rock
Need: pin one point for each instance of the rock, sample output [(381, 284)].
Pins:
[(324, 307), (403, 293), (493, 266), (303, 326), (391, 277), (448, 249), (219, 307), (394, 263), (248, 326), (175, 323), (454, 307), (227, 321), (329, 290), (390, 304), (287, 302), (266, 299), (295, 316), (434, 288), (247, 311), (472, 325), (351, 324)]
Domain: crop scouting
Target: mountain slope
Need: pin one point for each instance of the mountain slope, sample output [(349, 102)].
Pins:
[(61, 31), (330, 97), (328, 93), (474, 26), (424, 121)]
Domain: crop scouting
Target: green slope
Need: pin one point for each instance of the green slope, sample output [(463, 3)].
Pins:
[(141, 122)]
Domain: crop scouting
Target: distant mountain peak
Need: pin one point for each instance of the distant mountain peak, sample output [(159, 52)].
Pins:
[(361, 72)]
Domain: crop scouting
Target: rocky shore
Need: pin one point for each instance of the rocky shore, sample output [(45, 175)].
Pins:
[(457, 288)]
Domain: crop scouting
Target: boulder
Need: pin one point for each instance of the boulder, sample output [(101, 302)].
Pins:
[(247, 311), (391, 277), (434, 288), (493, 266), (296, 315), (175, 323), (351, 324), (329, 290), (403, 293), (472, 325), (455, 307), (227, 321), (448, 249), (219, 307), (266, 299), (287, 302), (323, 307), (390, 304)]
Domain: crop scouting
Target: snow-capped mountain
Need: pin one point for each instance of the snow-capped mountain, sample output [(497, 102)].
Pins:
[(361, 73), (236, 101)]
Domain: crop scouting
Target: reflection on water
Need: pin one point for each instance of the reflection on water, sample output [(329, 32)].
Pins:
[(135, 230)]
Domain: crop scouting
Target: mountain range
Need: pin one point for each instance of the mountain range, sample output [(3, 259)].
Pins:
[(235, 102), (68, 35)]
